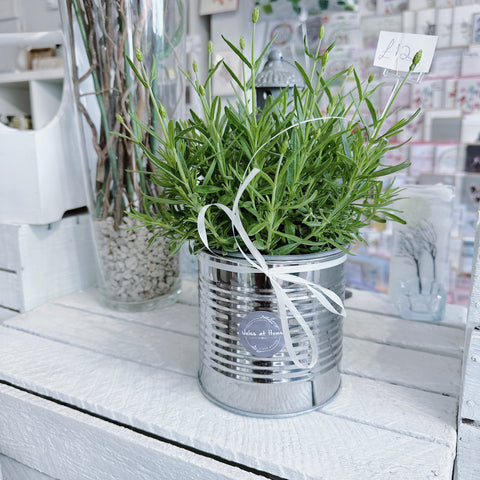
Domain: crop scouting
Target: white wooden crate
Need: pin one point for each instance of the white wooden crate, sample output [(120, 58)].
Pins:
[(41, 262), (90, 393)]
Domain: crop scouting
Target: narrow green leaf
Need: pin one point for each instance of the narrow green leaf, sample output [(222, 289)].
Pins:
[(256, 228), (304, 75), (371, 109), (238, 52), (207, 189), (233, 75)]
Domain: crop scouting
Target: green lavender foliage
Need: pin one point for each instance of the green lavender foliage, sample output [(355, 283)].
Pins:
[(321, 172)]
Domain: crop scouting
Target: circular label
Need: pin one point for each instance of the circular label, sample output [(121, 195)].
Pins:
[(261, 333)]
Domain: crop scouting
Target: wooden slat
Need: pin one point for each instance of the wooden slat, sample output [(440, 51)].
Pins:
[(67, 444), (434, 338), (10, 248), (4, 314), (179, 317), (11, 290), (400, 366), (13, 470), (470, 402), (60, 252), (154, 345), (468, 464), (404, 410)]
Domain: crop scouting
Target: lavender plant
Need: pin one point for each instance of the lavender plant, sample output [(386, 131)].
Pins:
[(321, 170)]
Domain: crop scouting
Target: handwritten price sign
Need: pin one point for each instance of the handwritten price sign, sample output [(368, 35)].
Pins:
[(395, 51)]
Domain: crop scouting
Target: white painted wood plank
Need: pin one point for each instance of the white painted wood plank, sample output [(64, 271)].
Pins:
[(11, 290), (6, 313), (301, 444), (400, 366), (69, 445), (404, 410), (473, 318), (61, 252), (162, 348), (41, 262), (474, 303), (435, 338), (178, 317), (455, 315), (10, 249), (470, 402), (468, 463), (13, 470), (137, 342)]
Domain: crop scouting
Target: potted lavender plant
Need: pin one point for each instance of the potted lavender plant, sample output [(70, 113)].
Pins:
[(270, 199)]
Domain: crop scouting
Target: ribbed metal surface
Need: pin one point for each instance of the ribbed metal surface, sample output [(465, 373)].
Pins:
[(275, 386)]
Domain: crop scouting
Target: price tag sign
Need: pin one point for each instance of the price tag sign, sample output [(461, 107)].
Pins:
[(395, 51)]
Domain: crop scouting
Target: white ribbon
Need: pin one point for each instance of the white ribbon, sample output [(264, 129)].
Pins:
[(326, 297)]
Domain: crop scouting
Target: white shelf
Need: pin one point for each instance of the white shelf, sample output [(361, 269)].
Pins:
[(31, 39), (31, 75)]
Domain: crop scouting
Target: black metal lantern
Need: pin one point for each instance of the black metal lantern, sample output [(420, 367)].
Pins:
[(276, 75)]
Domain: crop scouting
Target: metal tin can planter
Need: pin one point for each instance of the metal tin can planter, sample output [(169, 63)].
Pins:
[(248, 363)]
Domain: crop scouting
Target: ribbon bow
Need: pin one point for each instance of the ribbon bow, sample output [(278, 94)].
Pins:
[(326, 297)]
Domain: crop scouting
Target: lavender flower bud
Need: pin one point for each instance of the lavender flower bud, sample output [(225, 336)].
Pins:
[(416, 60), (255, 15)]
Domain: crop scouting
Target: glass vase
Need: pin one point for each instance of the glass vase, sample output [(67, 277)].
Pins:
[(104, 40), (419, 265)]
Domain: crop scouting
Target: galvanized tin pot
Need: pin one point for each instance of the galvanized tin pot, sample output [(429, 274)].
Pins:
[(254, 375)]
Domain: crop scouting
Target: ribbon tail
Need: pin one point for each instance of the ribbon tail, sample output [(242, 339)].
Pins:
[(202, 229), (320, 293), (283, 303)]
